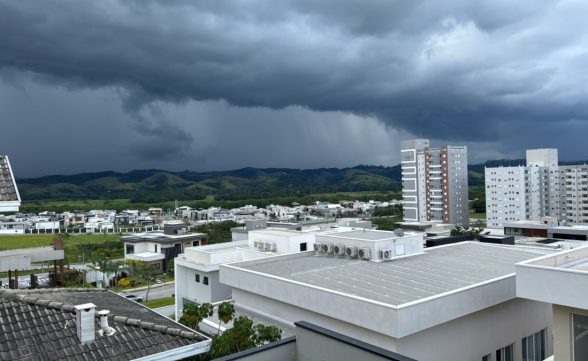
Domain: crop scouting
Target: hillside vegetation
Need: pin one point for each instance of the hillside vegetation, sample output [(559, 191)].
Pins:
[(154, 186), (143, 188)]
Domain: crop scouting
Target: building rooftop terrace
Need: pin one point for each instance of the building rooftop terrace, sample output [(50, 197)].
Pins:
[(437, 271)]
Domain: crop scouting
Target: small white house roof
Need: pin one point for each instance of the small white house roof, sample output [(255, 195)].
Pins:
[(146, 256)]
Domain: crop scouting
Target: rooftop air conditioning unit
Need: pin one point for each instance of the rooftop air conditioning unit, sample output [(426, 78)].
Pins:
[(339, 250), (328, 248), (364, 253), (351, 251), (267, 246), (318, 247), (386, 254), (255, 244), (274, 247)]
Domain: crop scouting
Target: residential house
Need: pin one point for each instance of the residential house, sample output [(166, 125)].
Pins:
[(312, 342), (560, 281), (89, 324), (160, 247), (197, 269), (384, 289), (9, 195)]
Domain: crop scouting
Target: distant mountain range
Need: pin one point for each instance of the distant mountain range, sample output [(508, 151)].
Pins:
[(157, 185)]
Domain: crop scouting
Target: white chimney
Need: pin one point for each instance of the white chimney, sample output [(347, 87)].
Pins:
[(104, 328), (85, 322)]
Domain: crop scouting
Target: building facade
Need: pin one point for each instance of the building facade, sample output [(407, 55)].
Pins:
[(566, 273), (197, 268), (454, 302), (159, 248), (539, 189), (434, 182), (574, 180)]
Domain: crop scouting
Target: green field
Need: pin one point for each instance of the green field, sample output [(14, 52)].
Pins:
[(72, 243), (161, 302)]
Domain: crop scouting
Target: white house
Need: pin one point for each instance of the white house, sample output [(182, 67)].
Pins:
[(161, 247), (196, 270), (560, 281), (455, 302)]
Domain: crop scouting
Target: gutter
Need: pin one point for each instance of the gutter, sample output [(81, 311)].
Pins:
[(179, 353)]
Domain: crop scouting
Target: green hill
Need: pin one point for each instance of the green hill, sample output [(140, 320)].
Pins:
[(153, 186)]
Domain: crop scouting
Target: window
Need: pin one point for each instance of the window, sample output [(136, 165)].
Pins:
[(505, 353), (130, 248), (155, 248), (195, 243), (197, 278), (579, 337), (488, 357), (205, 280), (302, 247), (534, 347)]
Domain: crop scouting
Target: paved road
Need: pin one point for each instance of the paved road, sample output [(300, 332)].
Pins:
[(155, 292)]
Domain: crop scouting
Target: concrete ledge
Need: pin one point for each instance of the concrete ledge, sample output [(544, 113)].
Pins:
[(253, 351), (353, 342)]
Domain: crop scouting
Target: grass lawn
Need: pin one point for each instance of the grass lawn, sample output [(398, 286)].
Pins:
[(71, 242), (161, 302)]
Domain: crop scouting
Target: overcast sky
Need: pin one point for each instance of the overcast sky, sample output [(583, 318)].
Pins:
[(212, 85)]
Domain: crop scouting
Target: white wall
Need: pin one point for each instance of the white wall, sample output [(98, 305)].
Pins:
[(239, 236), (505, 195), (12, 231), (464, 339), (144, 247), (412, 243), (481, 333), (186, 286), (288, 242), (284, 311)]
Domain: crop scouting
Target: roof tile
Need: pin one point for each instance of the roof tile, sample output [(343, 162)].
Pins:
[(38, 325)]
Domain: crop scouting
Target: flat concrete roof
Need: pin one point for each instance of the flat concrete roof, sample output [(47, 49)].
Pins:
[(279, 232), (560, 278), (146, 256), (581, 265), (160, 237), (366, 235), (437, 271)]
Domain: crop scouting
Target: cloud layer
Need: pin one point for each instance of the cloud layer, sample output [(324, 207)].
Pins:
[(505, 73)]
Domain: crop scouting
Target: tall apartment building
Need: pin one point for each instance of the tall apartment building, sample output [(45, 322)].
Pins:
[(574, 187), (539, 189), (434, 182)]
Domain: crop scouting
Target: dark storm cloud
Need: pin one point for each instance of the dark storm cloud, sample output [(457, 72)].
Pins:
[(456, 70)]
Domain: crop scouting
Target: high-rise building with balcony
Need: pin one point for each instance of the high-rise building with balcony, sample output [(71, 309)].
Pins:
[(539, 189), (434, 182)]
